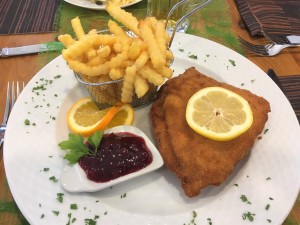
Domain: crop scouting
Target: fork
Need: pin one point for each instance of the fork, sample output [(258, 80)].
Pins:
[(11, 97), (270, 49)]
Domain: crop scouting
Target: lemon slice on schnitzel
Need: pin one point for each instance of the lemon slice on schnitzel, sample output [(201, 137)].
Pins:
[(85, 117), (218, 114)]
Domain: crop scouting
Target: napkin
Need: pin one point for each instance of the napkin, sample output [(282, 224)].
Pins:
[(28, 16), (274, 17), (291, 88)]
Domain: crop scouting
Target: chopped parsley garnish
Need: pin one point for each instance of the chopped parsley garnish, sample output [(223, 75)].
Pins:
[(91, 221), (266, 130), (236, 185), (269, 221), (57, 76), (76, 147), (181, 49), (27, 122), (54, 179), (46, 169), (249, 216), (193, 56), (267, 207), (245, 199), (55, 212), (268, 178), (123, 195), (232, 62), (73, 206), (209, 221), (39, 87), (60, 197), (42, 216)]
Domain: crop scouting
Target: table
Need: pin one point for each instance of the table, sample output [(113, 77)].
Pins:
[(23, 68)]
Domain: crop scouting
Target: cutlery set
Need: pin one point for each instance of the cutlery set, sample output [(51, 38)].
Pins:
[(277, 44)]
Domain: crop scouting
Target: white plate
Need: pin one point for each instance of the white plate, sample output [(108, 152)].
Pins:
[(90, 5), (74, 179), (269, 175)]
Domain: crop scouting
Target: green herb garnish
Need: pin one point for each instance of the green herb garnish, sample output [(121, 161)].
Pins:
[(73, 206), (232, 62), (77, 148), (193, 56), (60, 197), (54, 179), (55, 212), (27, 122), (245, 199), (248, 215)]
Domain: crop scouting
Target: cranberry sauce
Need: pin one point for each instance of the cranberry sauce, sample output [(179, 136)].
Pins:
[(118, 154)]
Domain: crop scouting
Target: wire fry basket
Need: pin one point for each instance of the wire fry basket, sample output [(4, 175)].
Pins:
[(107, 94)]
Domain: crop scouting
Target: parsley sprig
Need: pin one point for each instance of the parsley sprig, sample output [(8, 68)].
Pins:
[(76, 147)]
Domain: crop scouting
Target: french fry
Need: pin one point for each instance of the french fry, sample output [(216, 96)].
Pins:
[(78, 30), (126, 18), (151, 75), (117, 30), (116, 73), (140, 85), (89, 70), (128, 84), (134, 51), (80, 47), (155, 54), (66, 40), (141, 60), (104, 51), (92, 32), (166, 72)]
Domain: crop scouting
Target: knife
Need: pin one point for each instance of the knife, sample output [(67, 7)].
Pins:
[(293, 39), (31, 49), (271, 73)]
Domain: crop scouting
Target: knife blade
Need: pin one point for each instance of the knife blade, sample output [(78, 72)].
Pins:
[(30, 49), (294, 39)]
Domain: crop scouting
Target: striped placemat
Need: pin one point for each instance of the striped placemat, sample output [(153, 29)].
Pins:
[(291, 88), (277, 17), (28, 16)]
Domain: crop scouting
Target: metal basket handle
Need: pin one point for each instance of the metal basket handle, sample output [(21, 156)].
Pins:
[(184, 17)]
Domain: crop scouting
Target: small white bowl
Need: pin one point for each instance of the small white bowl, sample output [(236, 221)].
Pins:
[(74, 179)]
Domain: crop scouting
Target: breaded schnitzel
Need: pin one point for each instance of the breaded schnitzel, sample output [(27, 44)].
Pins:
[(198, 161)]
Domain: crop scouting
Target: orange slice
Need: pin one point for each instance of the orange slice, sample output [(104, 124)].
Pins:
[(85, 117)]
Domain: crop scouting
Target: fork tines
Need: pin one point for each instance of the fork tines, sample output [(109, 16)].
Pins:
[(252, 48)]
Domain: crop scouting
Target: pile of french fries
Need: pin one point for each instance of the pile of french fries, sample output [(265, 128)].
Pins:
[(140, 59)]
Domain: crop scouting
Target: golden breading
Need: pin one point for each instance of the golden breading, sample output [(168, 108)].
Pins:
[(198, 161)]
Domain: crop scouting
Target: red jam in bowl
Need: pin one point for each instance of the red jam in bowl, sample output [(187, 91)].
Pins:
[(118, 154)]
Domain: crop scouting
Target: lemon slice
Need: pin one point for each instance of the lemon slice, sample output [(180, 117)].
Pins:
[(218, 114), (85, 117)]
